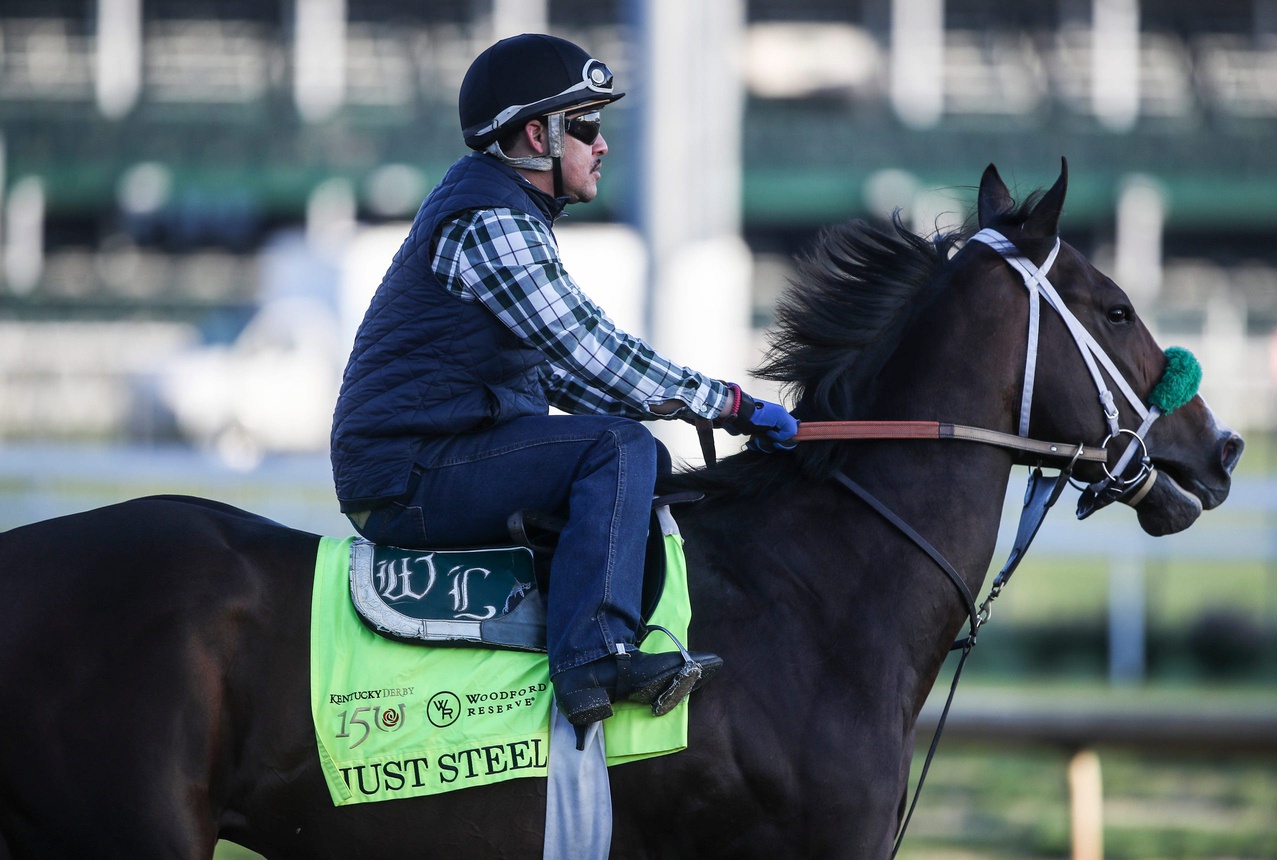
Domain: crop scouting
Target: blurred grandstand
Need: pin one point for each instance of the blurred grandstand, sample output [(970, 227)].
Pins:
[(169, 167)]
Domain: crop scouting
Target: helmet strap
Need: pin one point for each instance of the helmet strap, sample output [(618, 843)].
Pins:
[(554, 125), (558, 177), (527, 162), (552, 160)]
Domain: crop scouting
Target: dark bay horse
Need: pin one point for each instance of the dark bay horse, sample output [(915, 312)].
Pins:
[(153, 654)]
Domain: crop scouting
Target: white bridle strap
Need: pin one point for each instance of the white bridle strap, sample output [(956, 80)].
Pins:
[(1037, 283), (1031, 354), (1031, 275)]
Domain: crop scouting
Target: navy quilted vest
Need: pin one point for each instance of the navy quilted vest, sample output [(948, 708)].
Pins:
[(425, 363)]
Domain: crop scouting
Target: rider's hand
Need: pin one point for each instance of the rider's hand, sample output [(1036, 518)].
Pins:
[(767, 424)]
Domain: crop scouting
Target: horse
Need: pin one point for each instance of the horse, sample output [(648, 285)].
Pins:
[(154, 669)]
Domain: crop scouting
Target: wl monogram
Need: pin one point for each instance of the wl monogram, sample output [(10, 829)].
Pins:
[(396, 577)]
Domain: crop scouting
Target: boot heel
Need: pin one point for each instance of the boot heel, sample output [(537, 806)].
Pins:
[(583, 707)]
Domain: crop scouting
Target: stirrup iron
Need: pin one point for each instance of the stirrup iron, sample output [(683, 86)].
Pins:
[(682, 684)]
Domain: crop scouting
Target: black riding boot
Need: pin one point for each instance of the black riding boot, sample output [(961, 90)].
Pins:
[(585, 694)]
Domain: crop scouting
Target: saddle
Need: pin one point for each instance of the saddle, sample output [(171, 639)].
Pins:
[(484, 596)]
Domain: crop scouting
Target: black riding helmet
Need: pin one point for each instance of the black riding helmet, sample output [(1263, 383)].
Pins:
[(525, 77)]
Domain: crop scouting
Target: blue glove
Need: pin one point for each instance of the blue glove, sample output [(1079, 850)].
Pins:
[(768, 425)]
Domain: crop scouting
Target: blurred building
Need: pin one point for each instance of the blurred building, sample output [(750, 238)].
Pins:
[(169, 166)]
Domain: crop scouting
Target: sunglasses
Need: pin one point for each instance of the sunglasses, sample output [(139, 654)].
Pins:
[(584, 128)]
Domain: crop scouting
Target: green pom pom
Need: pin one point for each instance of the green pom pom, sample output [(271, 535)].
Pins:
[(1179, 382)]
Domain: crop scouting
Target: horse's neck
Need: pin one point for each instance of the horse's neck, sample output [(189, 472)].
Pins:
[(817, 552), (813, 590), (964, 367), (950, 493), (816, 565)]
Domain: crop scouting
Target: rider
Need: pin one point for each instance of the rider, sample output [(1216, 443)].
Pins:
[(442, 428)]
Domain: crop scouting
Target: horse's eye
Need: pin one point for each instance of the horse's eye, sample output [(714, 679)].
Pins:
[(1120, 314)]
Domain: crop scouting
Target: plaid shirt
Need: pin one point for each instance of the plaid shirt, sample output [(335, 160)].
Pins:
[(509, 261)]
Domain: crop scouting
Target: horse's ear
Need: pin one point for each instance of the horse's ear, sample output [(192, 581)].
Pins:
[(994, 198), (1044, 220)]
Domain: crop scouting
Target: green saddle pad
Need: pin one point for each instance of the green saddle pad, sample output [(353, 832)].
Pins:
[(397, 720)]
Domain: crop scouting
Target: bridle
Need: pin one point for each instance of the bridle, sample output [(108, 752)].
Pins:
[(1114, 485)]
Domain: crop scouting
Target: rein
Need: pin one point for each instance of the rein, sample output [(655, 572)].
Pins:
[(1041, 493), (1039, 497), (831, 431), (813, 431)]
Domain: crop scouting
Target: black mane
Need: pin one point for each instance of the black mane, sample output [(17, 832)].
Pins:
[(840, 320), (855, 293)]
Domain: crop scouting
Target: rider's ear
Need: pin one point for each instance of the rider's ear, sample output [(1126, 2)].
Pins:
[(1044, 220), (536, 136), (994, 198)]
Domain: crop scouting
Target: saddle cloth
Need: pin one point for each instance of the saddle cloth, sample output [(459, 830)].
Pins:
[(395, 720)]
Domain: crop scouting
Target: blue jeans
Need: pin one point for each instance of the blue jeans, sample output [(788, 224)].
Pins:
[(598, 472)]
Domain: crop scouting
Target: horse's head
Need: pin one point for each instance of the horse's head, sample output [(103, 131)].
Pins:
[(882, 324), (1193, 453)]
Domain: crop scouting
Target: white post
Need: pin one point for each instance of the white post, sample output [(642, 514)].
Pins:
[(512, 17), (330, 218), (3, 188), (1115, 62), (319, 57), (917, 61), (118, 59), (1227, 360), (1086, 805), (689, 93), (1141, 215), (24, 229)]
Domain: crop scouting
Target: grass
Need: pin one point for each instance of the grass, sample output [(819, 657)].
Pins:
[(982, 801), (1260, 457), (1177, 591), (999, 800)]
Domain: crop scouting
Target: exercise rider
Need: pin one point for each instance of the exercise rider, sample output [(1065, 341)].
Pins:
[(442, 428)]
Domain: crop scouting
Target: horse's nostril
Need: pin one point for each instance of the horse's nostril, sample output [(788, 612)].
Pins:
[(1231, 451)]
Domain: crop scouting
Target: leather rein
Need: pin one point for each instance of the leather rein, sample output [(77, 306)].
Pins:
[(818, 431)]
